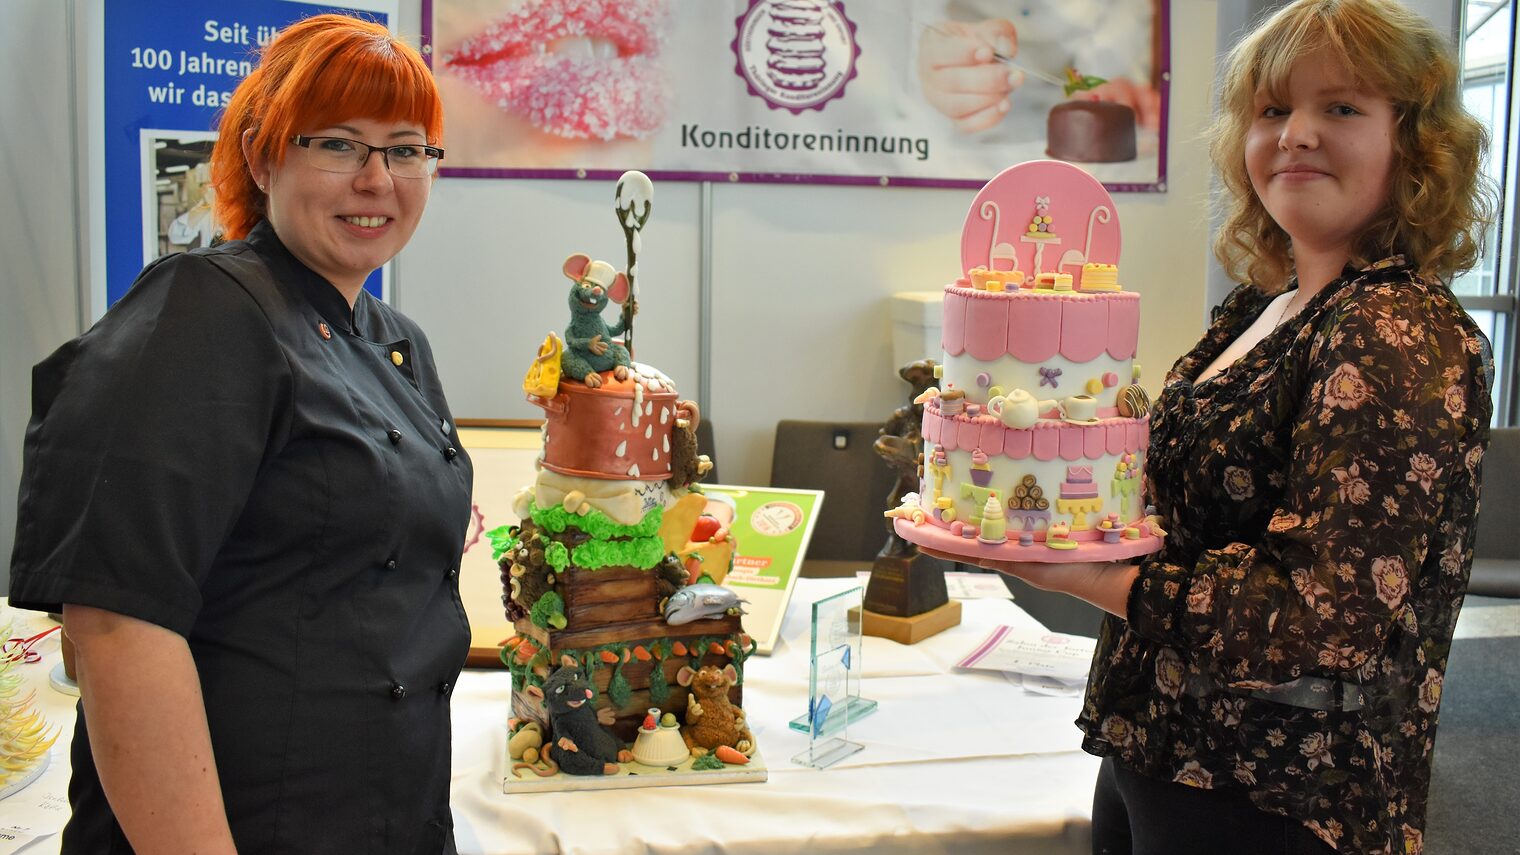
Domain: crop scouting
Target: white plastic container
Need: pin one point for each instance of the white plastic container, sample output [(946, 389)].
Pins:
[(917, 321)]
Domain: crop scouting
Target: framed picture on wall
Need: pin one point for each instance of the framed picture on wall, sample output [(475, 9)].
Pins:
[(503, 452)]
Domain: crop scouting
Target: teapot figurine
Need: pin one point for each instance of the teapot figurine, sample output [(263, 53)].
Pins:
[(1018, 409)]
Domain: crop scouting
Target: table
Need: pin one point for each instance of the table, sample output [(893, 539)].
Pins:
[(954, 761)]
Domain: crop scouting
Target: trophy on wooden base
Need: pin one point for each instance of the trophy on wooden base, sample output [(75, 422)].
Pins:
[(906, 599)]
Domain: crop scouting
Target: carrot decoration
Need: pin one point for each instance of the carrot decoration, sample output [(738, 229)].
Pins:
[(730, 756)]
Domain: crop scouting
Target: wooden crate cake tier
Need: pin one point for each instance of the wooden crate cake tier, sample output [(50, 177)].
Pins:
[(632, 666), (576, 570), (584, 586)]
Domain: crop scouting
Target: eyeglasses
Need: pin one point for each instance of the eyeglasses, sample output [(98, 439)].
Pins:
[(336, 154)]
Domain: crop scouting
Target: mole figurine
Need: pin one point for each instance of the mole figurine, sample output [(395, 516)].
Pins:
[(579, 744)]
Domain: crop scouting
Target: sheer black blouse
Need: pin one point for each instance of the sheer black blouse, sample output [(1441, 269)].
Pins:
[(1291, 636)]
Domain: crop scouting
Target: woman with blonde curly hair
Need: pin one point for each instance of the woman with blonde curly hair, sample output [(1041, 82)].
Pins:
[(1269, 681), (244, 489)]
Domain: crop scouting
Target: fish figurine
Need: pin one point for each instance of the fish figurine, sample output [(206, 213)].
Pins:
[(700, 602)]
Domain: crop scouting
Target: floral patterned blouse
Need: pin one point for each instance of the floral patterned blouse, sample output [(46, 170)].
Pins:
[(1319, 495)]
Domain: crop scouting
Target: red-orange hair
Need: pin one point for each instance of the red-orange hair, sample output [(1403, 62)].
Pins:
[(316, 72)]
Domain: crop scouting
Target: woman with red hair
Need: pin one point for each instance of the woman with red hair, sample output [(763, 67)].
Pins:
[(244, 489)]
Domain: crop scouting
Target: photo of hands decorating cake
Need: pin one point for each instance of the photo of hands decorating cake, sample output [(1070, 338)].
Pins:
[(628, 662), (1035, 438), (1078, 79)]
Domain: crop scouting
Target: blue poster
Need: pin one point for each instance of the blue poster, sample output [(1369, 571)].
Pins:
[(166, 76)]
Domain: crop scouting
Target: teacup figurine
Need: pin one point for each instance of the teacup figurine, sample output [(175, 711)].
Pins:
[(1080, 409)]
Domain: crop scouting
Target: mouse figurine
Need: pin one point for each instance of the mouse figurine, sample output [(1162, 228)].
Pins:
[(711, 719), (579, 744), (589, 348)]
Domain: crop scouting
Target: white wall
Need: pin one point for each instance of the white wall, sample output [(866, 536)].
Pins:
[(801, 275), (1235, 18), (39, 306), (482, 276)]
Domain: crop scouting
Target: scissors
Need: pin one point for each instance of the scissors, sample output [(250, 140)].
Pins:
[(20, 649)]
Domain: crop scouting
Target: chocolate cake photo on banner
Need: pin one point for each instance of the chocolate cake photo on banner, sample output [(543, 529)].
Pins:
[(807, 91)]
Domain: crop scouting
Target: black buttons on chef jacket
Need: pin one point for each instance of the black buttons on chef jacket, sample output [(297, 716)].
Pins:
[(391, 564), (398, 691), (395, 436), (454, 572), (450, 453), (444, 688)]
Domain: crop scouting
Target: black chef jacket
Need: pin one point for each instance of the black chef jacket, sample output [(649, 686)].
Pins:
[(234, 455)]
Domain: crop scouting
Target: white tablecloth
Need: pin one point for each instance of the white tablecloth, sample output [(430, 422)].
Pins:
[(954, 761)]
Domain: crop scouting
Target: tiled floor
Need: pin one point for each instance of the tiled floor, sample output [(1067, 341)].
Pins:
[(1488, 617), (1474, 786)]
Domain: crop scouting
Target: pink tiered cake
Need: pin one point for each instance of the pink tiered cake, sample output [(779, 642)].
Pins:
[(1037, 408)]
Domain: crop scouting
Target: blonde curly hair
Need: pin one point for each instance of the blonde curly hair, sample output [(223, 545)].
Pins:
[(1438, 203)]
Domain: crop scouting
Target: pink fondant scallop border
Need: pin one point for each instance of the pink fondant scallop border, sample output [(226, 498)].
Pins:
[(1047, 440), (1034, 327)]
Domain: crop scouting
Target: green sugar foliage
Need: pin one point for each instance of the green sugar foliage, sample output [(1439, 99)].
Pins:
[(706, 763), (588, 660), (503, 540), (659, 689), (548, 611), (524, 674), (618, 689), (557, 556), (640, 552), (595, 523)]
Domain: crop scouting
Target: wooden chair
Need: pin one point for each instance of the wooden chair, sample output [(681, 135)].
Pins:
[(837, 457), (1496, 552)]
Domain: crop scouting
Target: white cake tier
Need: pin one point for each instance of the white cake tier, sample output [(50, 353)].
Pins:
[(1052, 473), (1049, 344)]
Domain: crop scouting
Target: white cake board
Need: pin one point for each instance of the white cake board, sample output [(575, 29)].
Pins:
[(58, 678), (972, 550), (636, 775), (16, 785)]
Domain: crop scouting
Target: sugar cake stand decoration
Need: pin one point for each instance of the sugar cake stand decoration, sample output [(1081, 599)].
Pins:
[(1034, 441)]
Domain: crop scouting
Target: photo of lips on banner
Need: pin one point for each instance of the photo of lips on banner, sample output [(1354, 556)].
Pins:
[(821, 91)]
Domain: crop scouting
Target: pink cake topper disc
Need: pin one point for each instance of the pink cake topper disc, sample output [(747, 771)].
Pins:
[(1043, 216)]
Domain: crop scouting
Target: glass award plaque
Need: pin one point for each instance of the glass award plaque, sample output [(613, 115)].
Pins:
[(833, 681)]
